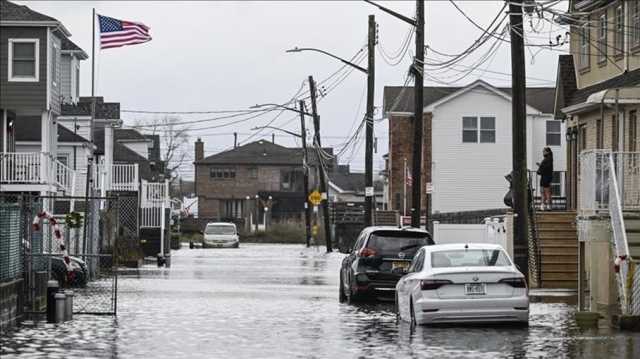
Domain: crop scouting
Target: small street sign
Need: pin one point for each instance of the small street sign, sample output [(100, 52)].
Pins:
[(368, 191), (315, 198)]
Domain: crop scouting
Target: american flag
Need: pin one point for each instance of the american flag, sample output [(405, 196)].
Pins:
[(117, 33)]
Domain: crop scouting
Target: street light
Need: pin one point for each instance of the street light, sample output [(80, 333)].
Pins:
[(277, 129), (301, 49), (280, 106)]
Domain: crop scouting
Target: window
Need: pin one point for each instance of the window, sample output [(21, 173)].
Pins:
[(222, 173), (599, 134), (618, 39), (54, 65), (556, 184), (634, 13), (633, 131), (470, 129), (24, 60), (253, 173), (584, 46), (469, 258), (77, 83), (602, 39), (554, 133), (487, 130), (417, 263), (614, 133)]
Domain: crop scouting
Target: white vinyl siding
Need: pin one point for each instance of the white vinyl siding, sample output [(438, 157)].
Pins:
[(471, 177), (24, 60)]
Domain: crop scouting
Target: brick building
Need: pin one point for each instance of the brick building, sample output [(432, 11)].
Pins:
[(228, 182)]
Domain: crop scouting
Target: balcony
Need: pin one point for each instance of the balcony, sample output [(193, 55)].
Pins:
[(24, 171), (122, 177)]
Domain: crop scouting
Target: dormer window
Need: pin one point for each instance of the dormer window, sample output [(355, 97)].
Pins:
[(24, 60)]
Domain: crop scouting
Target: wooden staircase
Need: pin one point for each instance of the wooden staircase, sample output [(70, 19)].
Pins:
[(558, 244)]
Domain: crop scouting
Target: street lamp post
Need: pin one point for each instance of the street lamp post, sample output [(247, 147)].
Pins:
[(370, 71)]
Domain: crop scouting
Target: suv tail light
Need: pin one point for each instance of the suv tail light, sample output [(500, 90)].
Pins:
[(514, 282), (433, 284), (367, 252)]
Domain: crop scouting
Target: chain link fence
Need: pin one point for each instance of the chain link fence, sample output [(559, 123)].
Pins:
[(10, 242)]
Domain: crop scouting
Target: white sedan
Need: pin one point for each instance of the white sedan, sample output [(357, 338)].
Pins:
[(462, 283)]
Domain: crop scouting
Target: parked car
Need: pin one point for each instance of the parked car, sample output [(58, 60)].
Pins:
[(462, 283), (379, 258), (78, 277), (220, 234)]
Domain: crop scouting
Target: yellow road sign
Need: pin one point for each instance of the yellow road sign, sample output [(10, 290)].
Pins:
[(315, 198)]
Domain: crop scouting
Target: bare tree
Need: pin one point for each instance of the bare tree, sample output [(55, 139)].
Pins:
[(174, 140)]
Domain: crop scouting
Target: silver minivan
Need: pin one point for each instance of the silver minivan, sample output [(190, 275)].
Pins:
[(221, 235)]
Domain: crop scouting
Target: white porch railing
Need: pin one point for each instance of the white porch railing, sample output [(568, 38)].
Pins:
[(122, 177), (35, 168), (594, 186), (610, 184), (154, 198)]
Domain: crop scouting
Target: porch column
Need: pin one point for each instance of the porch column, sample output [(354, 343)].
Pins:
[(5, 138), (45, 133), (108, 156)]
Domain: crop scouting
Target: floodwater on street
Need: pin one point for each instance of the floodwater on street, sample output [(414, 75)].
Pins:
[(281, 301)]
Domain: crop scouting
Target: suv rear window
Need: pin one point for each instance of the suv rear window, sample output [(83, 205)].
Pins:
[(391, 243)]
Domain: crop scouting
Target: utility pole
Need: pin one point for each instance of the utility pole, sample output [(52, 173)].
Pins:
[(519, 140), (368, 157), (323, 180), (305, 165), (418, 68)]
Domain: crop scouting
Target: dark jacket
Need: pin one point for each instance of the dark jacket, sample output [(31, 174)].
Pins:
[(546, 167)]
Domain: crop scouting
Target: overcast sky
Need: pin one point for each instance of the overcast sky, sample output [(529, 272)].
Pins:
[(231, 55)]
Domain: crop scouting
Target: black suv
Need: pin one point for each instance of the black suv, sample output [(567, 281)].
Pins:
[(380, 256)]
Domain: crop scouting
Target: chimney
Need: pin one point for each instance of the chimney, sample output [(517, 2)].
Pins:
[(199, 149), (235, 140), (273, 138)]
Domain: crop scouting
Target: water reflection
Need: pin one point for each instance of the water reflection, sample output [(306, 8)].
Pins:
[(274, 301)]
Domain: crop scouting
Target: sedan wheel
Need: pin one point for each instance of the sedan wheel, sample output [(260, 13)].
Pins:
[(413, 314), (341, 297)]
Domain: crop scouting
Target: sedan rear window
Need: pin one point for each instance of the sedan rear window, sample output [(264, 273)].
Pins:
[(469, 258), (390, 243), (220, 230)]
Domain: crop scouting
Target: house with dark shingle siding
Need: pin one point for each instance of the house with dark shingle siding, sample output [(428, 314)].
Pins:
[(467, 144)]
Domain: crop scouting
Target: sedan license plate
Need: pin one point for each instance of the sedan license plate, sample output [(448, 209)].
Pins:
[(400, 265), (474, 289)]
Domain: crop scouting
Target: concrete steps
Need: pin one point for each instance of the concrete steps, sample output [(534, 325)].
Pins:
[(558, 244)]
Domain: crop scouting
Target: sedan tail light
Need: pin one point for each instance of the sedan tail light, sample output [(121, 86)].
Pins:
[(367, 252), (514, 282), (433, 284)]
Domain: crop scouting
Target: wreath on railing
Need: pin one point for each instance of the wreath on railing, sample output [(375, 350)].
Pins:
[(73, 220)]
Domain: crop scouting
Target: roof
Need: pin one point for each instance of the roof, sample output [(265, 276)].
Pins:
[(565, 83), (371, 229), (450, 246), (68, 45), (13, 12), (128, 134), (122, 154), (400, 98), (348, 181), (627, 79), (104, 110), (261, 152), (29, 128)]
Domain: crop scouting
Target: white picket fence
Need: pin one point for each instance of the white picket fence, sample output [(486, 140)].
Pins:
[(154, 198)]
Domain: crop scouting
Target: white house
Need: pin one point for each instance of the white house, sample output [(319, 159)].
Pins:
[(471, 146)]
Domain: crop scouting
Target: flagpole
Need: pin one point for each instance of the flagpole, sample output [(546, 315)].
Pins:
[(405, 189), (89, 176)]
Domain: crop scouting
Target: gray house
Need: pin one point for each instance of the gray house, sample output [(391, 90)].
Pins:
[(31, 46)]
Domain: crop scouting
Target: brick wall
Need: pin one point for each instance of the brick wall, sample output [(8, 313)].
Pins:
[(212, 191), (401, 147)]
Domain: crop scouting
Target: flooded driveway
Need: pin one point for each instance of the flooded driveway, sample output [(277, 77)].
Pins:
[(281, 301)]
